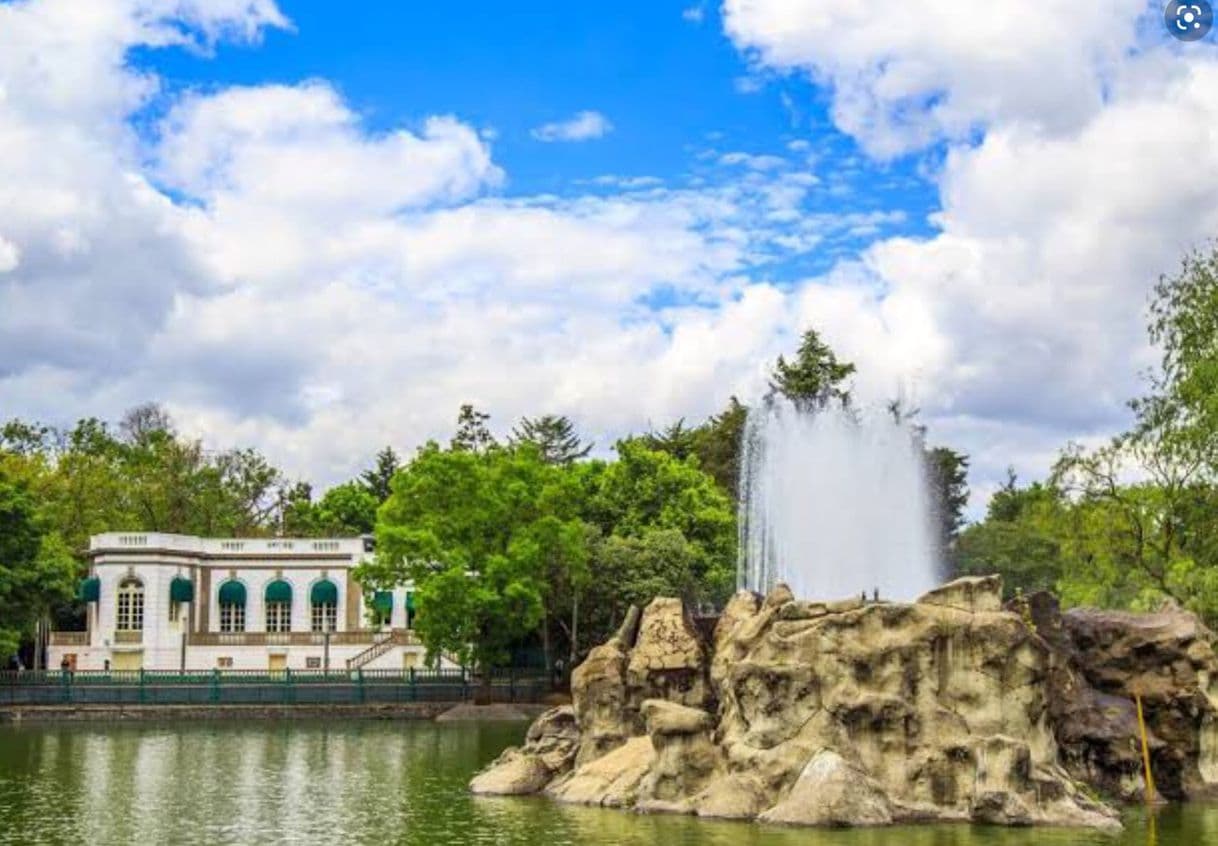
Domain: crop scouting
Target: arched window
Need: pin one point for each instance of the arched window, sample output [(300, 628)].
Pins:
[(130, 617), (278, 598), (324, 599), (232, 606)]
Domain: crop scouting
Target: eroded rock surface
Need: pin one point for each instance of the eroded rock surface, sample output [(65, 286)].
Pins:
[(852, 713)]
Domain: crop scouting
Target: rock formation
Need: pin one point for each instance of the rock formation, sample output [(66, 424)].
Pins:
[(851, 713)]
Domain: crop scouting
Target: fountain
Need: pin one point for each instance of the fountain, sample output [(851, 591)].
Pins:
[(834, 503)]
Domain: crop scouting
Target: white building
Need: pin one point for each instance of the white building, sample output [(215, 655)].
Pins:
[(168, 602)]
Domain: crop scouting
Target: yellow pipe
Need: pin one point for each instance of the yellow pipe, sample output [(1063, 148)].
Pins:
[(1151, 794)]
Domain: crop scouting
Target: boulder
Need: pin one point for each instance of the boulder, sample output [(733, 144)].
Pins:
[(685, 755), (668, 660), (1167, 658), (549, 750), (974, 594), (598, 690), (829, 791), (611, 780)]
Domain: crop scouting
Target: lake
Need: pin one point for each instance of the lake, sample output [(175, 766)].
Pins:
[(379, 782)]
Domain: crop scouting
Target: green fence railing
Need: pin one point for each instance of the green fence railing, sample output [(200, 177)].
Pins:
[(244, 687)]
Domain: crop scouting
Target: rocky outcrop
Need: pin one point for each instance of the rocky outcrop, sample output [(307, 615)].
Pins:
[(549, 750), (1167, 659), (853, 713)]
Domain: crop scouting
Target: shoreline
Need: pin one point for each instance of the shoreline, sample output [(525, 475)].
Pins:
[(86, 713)]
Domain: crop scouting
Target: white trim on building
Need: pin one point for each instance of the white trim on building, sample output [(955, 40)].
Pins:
[(172, 635)]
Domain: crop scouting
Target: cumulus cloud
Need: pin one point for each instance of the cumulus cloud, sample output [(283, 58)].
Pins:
[(283, 276), (583, 126), (1078, 164)]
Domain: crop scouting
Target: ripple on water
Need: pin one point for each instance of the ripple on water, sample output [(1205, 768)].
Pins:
[(384, 783)]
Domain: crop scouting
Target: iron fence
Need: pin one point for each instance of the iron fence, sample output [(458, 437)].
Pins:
[(258, 687)]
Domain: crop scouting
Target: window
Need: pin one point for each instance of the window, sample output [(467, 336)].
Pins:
[(232, 618), (130, 606), (224, 663), (313, 663), (278, 598), (232, 607), (278, 617), (325, 616), (324, 599)]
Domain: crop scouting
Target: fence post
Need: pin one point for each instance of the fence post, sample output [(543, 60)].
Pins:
[(464, 686), (215, 685), (414, 694), (142, 693), (66, 681), (359, 675), (287, 685)]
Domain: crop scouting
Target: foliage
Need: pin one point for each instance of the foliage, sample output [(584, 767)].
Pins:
[(815, 377), (376, 480), (473, 434), (554, 436), (463, 526), (948, 472), (1023, 538), (36, 569)]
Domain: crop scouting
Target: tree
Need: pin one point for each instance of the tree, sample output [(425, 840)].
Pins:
[(718, 443), (815, 377), (554, 436), (455, 524), (473, 434), (948, 472), (377, 479), (347, 509), (36, 569), (647, 489), (1024, 538)]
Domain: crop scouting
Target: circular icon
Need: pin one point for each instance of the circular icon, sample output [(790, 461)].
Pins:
[(1189, 20)]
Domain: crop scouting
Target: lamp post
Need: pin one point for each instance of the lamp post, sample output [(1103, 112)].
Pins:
[(326, 659)]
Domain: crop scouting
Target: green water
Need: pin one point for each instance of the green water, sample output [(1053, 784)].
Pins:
[(384, 783)]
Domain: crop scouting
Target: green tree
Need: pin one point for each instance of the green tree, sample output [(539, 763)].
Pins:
[(347, 509), (948, 472), (647, 489), (377, 479), (718, 443), (815, 377), (1024, 538), (37, 571), (455, 524), (554, 436), (473, 432)]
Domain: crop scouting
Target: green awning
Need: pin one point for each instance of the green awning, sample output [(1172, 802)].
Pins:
[(324, 592), (181, 589), (232, 592), (279, 591), (382, 602), (90, 589)]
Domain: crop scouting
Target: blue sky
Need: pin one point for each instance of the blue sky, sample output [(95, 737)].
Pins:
[(672, 84), (317, 228)]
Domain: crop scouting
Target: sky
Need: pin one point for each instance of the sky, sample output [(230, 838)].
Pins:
[(318, 231)]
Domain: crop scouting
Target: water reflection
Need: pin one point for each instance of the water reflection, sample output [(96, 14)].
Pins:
[(391, 783)]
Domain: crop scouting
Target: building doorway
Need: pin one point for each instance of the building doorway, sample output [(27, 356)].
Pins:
[(127, 662), (277, 664)]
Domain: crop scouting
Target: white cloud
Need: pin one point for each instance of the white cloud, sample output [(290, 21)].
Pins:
[(9, 255), (906, 73), (284, 277), (694, 14), (1080, 165), (583, 126)]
